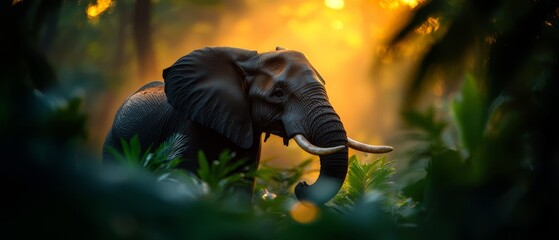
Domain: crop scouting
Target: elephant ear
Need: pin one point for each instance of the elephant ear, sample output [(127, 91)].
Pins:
[(209, 87)]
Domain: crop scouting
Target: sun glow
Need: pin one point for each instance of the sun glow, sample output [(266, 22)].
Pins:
[(411, 3), (337, 24), (393, 4), (334, 4)]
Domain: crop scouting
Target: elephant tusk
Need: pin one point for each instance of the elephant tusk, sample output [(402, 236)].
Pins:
[(312, 149), (368, 148)]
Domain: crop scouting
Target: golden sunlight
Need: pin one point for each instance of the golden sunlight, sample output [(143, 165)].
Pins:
[(337, 24), (393, 4), (94, 10), (334, 4), (304, 212), (411, 3)]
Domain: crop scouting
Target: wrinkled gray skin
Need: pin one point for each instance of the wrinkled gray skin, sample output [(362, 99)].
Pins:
[(226, 98)]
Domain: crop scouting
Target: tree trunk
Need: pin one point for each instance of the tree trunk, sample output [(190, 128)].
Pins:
[(141, 19), (123, 21)]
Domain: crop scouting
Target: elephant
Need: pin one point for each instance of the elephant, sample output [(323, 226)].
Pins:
[(227, 98)]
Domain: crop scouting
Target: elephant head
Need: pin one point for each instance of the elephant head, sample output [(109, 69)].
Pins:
[(241, 94)]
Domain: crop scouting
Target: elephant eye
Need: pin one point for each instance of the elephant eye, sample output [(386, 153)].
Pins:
[(277, 94)]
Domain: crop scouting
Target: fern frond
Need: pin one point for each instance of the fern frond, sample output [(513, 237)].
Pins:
[(173, 147), (362, 179)]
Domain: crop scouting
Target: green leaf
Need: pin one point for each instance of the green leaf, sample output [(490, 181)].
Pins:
[(280, 180), (204, 170), (470, 114), (362, 179)]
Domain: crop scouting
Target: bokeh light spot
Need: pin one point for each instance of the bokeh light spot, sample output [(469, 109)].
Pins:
[(267, 195), (393, 4), (389, 4), (431, 25), (304, 212), (94, 10), (334, 4), (411, 3)]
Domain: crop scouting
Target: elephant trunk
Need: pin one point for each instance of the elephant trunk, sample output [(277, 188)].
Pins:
[(326, 130)]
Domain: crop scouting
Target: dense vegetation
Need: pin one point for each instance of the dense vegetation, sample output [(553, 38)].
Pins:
[(490, 152)]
